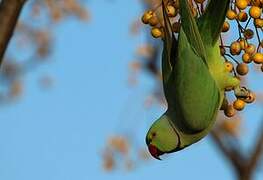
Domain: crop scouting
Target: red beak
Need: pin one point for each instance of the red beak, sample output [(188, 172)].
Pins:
[(155, 152)]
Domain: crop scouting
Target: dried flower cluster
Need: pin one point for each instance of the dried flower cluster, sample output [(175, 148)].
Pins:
[(118, 153)]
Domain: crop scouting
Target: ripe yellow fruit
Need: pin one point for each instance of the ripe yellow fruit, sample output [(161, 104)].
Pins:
[(156, 32), (231, 14), (243, 43), (246, 58), (230, 111), (258, 58), (242, 69), (153, 21), (235, 48), (239, 104), (225, 27), (229, 66), (242, 16), (171, 11), (241, 4), (255, 12), (258, 23), (250, 49), (147, 16)]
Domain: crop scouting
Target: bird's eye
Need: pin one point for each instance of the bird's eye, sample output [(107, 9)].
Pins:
[(153, 134)]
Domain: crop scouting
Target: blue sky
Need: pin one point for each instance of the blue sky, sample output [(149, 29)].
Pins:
[(59, 134)]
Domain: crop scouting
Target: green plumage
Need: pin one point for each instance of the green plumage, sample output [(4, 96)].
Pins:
[(194, 79)]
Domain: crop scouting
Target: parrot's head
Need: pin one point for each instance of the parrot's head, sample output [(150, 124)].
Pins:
[(162, 138)]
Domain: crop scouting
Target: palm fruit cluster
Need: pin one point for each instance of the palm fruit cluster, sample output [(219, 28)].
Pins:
[(242, 27)]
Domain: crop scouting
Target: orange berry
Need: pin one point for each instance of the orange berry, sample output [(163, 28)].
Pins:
[(255, 12), (242, 43), (258, 58), (250, 49), (229, 66), (171, 11), (156, 32), (239, 104), (153, 21), (246, 58), (242, 16), (258, 23), (147, 16), (231, 14), (242, 69), (241, 4), (235, 48), (225, 27)]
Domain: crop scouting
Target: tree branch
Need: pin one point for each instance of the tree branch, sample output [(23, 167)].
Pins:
[(9, 13), (229, 151), (257, 152)]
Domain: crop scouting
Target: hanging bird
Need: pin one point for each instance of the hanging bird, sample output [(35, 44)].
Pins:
[(194, 79)]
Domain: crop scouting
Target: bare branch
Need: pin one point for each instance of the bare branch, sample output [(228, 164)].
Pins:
[(229, 151), (258, 150), (9, 13)]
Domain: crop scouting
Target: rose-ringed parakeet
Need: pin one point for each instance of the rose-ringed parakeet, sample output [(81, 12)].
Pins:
[(194, 79)]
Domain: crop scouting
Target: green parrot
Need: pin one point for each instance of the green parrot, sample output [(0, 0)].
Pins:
[(194, 79)]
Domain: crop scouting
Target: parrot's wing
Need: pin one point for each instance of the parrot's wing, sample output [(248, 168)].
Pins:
[(211, 22), (195, 94), (191, 30)]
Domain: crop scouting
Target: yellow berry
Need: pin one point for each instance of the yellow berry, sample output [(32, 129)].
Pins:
[(230, 111), (242, 16), (229, 66), (250, 49), (242, 43), (255, 12), (231, 14), (239, 104), (225, 27), (147, 16), (241, 4), (235, 48), (242, 69), (246, 58), (156, 32), (171, 11), (258, 23), (257, 58), (153, 21)]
